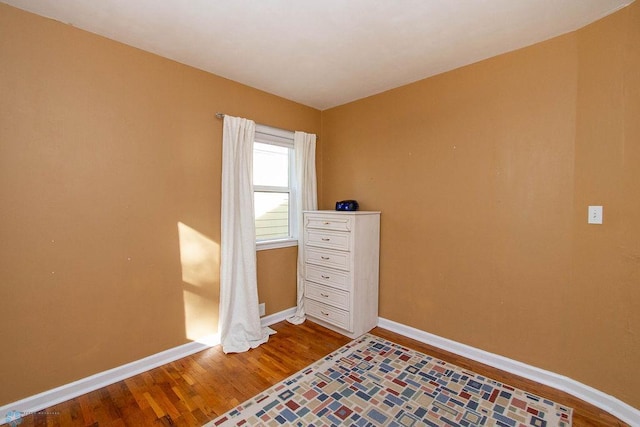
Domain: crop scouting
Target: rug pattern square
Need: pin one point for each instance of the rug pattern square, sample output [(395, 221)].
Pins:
[(374, 382)]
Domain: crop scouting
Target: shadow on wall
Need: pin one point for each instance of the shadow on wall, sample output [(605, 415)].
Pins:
[(200, 261)]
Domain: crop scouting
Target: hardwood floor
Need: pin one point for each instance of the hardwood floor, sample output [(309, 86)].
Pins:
[(198, 388)]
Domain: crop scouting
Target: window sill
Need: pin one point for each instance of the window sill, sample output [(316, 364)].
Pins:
[(275, 244)]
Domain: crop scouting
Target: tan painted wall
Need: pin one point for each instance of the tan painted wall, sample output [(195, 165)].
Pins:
[(483, 176), (110, 201), (109, 193), (605, 273)]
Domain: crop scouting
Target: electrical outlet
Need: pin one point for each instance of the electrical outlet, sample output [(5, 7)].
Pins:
[(595, 215), (261, 309)]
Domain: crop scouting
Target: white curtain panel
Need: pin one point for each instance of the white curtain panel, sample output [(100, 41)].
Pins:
[(306, 195), (239, 319)]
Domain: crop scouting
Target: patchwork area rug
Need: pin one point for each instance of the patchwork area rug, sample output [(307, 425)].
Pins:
[(374, 382)]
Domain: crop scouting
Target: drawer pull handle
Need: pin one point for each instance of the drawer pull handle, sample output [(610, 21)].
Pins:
[(326, 223), (324, 295), (326, 239), (324, 312), (326, 258), (325, 277)]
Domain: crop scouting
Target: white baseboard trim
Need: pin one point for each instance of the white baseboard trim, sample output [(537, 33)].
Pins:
[(614, 406), (69, 391), (277, 317), (72, 390), (63, 393)]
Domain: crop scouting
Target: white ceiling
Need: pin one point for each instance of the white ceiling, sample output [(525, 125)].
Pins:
[(324, 53)]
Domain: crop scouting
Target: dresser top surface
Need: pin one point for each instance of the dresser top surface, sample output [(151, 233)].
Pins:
[(330, 212)]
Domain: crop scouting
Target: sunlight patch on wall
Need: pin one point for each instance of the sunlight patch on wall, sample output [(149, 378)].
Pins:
[(200, 261), (200, 318), (199, 257)]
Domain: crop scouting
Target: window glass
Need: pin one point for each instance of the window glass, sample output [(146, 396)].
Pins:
[(272, 215), (270, 165)]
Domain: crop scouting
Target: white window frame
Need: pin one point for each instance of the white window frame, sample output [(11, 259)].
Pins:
[(283, 138)]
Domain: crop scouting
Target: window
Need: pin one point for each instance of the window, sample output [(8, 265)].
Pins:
[(272, 188)]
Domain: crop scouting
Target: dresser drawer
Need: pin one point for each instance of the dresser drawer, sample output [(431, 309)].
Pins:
[(329, 314), (328, 222), (327, 276), (328, 295), (328, 258), (328, 239)]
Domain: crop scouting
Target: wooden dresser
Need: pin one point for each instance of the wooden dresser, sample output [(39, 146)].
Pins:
[(341, 253)]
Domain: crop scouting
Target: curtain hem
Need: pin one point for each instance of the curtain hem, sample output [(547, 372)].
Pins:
[(245, 345)]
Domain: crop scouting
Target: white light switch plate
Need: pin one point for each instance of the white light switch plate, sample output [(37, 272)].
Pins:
[(595, 215)]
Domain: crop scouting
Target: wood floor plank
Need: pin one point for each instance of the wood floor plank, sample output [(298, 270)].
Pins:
[(196, 389)]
